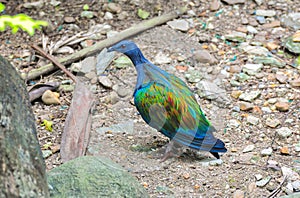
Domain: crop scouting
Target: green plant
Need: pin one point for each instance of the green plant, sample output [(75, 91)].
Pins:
[(26, 23)]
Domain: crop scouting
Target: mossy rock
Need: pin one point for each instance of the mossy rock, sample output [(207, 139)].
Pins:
[(91, 176)]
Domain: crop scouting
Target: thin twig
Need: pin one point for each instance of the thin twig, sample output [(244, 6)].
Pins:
[(55, 62), (278, 189)]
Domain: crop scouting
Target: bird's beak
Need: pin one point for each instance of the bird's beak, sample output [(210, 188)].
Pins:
[(111, 49)]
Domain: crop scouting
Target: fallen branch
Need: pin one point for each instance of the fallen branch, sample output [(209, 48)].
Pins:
[(141, 27), (278, 189)]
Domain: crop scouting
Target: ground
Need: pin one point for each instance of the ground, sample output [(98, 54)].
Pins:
[(118, 131)]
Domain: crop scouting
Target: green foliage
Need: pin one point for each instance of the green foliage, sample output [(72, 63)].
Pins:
[(26, 23), (86, 7)]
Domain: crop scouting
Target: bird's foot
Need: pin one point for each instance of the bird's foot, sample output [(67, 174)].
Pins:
[(173, 150)]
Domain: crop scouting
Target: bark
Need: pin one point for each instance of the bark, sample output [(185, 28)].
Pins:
[(22, 168)]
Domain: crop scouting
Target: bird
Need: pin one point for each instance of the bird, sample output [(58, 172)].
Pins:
[(166, 103)]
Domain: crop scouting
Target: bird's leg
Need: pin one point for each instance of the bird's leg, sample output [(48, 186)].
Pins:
[(171, 151)]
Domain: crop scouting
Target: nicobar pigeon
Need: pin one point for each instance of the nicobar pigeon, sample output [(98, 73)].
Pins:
[(167, 104)]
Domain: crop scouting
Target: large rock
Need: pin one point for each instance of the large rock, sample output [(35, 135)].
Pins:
[(91, 176), (22, 172)]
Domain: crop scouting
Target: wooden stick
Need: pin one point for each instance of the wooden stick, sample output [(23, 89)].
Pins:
[(53, 60), (143, 26)]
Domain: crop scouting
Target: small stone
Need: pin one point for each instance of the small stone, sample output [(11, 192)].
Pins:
[(193, 76), (264, 181), (267, 13), (234, 123), (252, 29), (236, 94), (245, 106), (112, 98), (49, 97), (271, 46), (296, 185), (108, 16), (105, 81), (88, 64), (284, 132), (234, 149), (36, 4), (186, 175), (214, 5), (46, 153), (179, 24), (261, 19), (258, 177), (259, 2), (123, 92), (252, 69), (273, 123), (292, 19), (272, 100), (281, 78), (236, 36), (87, 14), (114, 8), (252, 120), (266, 152), (245, 21), (295, 83), (69, 19), (273, 24), (66, 88), (91, 75), (239, 194), (297, 147), (284, 150), (249, 148), (235, 69), (282, 106), (161, 58), (203, 56), (241, 77), (249, 96)]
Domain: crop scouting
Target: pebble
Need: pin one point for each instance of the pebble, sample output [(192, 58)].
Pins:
[(258, 177), (269, 61), (66, 88), (252, 29), (291, 20), (122, 91), (233, 123), (236, 94), (46, 153), (281, 78), (271, 46), (249, 96), (49, 97), (236, 36), (282, 106), (273, 123), (87, 14), (239, 194), (273, 24), (108, 16), (266, 152), (37, 4), (179, 24), (252, 120), (114, 8), (263, 182), (249, 148), (161, 58), (267, 13), (214, 5), (284, 132), (88, 64), (296, 185), (235, 69), (297, 147), (112, 98), (193, 76), (69, 19), (211, 91), (261, 19), (272, 100), (284, 150), (252, 69), (105, 81), (295, 83), (245, 106), (204, 56)]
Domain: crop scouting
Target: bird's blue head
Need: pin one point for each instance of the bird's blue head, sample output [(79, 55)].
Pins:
[(125, 47), (130, 49)]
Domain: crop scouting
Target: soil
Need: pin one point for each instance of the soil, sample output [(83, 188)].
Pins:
[(139, 147)]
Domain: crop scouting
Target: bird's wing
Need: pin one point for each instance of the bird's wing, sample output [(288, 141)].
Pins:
[(172, 111)]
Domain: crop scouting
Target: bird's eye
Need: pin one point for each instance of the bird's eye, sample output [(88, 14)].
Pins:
[(123, 46)]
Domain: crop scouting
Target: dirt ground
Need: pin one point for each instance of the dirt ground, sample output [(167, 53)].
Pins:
[(118, 131)]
